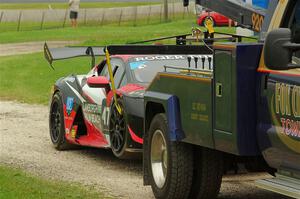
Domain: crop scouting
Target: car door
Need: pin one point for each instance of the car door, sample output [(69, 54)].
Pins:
[(95, 109), (223, 19), (279, 112)]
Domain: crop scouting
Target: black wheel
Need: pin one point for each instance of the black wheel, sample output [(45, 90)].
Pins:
[(208, 171), (119, 135), (170, 165), (56, 124), (207, 19)]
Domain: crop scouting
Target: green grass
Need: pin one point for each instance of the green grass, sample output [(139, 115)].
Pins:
[(98, 23), (65, 5), (15, 183), (108, 34), (28, 78)]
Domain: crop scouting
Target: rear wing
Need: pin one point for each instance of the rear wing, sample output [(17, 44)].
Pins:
[(53, 54), (247, 16)]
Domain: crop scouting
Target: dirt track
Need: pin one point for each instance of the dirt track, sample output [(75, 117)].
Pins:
[(25, 143)]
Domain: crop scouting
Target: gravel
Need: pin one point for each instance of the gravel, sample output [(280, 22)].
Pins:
[(25, 143)]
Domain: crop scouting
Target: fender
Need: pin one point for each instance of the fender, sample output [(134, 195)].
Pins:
[(171, 107), (156, 103), (70, 91)]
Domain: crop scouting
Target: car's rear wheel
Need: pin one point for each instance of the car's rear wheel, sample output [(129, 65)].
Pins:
[(118, 134), (56, 123)]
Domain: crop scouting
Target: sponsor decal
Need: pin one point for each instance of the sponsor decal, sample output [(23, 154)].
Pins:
[(168, 57), (287, 106), (160, 57), (286, 114), (74, 132), (92, 113), (137, 65), (69, 105), (199, 112)]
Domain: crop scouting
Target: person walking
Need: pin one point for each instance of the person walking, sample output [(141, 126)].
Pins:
[(74, 9)]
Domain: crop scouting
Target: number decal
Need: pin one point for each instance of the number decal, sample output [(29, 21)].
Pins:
[(257, 21)]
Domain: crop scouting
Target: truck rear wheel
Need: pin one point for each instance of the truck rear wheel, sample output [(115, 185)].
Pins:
[(170, 164), (207, 176)]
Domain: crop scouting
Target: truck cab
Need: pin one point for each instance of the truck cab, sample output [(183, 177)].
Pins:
[(246, 109), (278, 129)]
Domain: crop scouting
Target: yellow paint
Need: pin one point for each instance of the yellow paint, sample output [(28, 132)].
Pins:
[(257, 21), (206, 80), (275, 23), (73, 133), (196, 106), (224, 46), (111, 77), (278, 15), (196, 72), (292, 144), (209, 25), (199, 117)]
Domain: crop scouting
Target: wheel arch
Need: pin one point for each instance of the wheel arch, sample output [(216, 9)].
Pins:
[(152, 108), (156, 103)]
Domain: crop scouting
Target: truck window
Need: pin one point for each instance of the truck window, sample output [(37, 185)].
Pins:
[(292, 21), (296, 31), (295, 27)]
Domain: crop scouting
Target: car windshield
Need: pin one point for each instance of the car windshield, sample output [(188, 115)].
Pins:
[(145, 68)]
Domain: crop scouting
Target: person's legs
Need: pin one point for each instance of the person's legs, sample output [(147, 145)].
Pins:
[(73, 17), (73, 22)]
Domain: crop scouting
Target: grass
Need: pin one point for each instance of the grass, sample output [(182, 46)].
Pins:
[(65, 5), (97, 22), (28, 78), (108, 34), (18, 184)]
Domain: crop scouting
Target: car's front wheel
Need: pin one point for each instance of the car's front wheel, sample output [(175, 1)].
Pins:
[(56, 123), (118, 134)]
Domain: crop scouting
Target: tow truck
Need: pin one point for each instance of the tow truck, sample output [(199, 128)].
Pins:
[(200, 123)]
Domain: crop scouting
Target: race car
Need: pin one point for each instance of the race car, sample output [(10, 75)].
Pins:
[(104, 108), (216, 18)]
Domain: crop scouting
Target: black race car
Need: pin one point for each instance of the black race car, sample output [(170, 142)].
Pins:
[(104, 108)]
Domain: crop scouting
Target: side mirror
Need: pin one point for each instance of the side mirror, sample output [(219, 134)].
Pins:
[(278, 50), (98, 82), (185, 3)]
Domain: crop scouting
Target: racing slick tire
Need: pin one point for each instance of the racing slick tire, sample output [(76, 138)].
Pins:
[(56, 124), (119, 134), (170, 164), (207, 176)]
